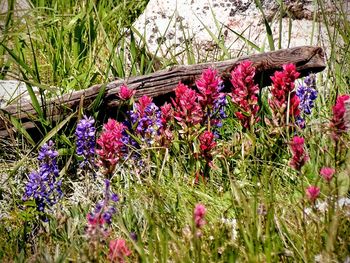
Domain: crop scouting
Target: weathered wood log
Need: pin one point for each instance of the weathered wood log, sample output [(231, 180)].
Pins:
[(306, 58)]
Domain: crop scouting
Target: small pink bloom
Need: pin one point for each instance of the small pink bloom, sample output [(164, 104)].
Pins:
[(125, 93), (207, 144), (199, 214), (143, 102), (312, 192), (118, 250), (327, 173), (300, 157)]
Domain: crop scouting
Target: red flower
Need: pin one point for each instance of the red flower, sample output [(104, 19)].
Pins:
[(111, 144), (312, 193), (282, 89), (207, 144), (340, 122), (118, 250), (208, 87), (125, 93), (245, 93), (327, 173), (143, 102), (300, 157), (187, 110), (199, 214)]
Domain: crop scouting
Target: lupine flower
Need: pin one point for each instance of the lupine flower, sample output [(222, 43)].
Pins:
[(147, 118), (282, 89), (187, 110), (300, 157), (306, 93), (245, 93), (207, 144), (327, 173), (340, 122), (125, 93), (208, 87), (111, 144), (118, 250), (199, 214), (85, 133), (312, 193), (100, 219), (43, 185)]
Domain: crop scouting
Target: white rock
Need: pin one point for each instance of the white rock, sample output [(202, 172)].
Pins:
[(14, 91), (177, 23)]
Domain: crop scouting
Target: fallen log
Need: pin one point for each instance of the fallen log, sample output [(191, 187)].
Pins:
[(306, 58)]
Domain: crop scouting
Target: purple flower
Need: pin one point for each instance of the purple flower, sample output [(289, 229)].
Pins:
[(43, 185), (146, 120), (307, 94), (85, 133)]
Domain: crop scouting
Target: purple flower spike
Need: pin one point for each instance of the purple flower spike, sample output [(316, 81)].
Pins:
[(307, 93), (85, 133), (43, 185)]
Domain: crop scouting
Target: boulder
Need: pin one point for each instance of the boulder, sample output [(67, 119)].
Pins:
[(169, 26)]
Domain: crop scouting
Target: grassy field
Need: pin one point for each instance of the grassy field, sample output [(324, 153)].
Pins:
[(252, 175)]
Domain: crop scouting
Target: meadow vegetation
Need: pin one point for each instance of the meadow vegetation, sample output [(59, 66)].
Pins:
[(251, 175)]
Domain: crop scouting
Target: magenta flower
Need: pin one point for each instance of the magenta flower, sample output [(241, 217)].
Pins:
[(312, 193), (327, 173), (207, 144), (300, 157), (111, 144), (282, 89), (118, 250), (340, 122), (187, 110), (125, 93), (245, 93), (199, 214), (208, 87)]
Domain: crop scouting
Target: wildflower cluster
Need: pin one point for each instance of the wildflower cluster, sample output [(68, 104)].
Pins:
[(43, 185), (85, 134), (198, 217), (245, 93)]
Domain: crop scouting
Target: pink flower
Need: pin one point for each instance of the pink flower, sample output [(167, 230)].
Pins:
[(118, 250), (167, 113), (300, 157), (199, 214), (245, 93), (111, 144), (208, 87), (312, 192), (327, 173), (282, 89), (125, 93), (340, 122), (143, 102), (187, 110), (207, 144)]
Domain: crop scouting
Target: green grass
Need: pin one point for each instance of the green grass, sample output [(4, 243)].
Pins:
[(254, 200)]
